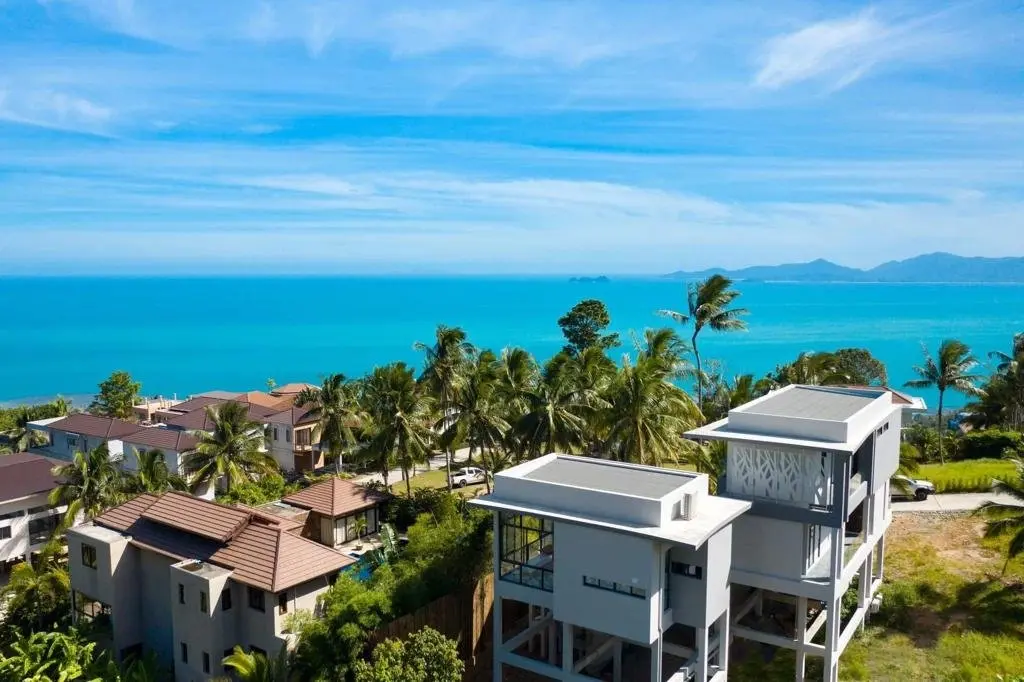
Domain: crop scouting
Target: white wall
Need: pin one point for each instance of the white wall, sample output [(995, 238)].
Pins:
[(17, 546), (698, 602), (771, 546), (581, 551), (887, 448), (280, 448), (60, 448), (131, 458)]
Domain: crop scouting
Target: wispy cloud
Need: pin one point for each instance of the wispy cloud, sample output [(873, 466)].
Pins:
[(53, 109)]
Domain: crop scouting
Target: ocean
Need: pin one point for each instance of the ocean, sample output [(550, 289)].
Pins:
[(185, 335)]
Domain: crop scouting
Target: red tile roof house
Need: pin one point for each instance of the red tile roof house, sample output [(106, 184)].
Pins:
[(173, 443), (336, 507), (26, 518), (82, 433), (189, 579)]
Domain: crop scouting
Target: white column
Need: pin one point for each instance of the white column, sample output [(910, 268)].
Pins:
[(567, 647), (617, 662), (499, 637), (864, 587), (724, 639), (833, 621), (801, 635), (702, 654), (656, 660), (881, 557)]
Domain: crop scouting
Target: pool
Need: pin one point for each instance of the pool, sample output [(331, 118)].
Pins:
[(362, 569)]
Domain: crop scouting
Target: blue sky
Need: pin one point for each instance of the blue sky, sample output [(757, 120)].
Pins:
[(528, 136)]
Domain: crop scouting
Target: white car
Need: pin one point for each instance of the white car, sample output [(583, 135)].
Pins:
[(904, 486), (468, 476)]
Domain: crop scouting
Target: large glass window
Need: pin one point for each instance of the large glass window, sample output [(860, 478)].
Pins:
[(40, 530), (527, 550)]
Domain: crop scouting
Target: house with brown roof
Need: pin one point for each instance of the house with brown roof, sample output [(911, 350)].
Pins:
[(27, 520), (173, 443), (81, 433), (189, 579), (340, 511), (294, 441)]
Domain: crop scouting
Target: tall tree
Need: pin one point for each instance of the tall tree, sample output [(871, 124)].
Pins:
[(21, 437), (427, 656), (443, 372), (117, 395), (949, 370), (91, 483), (233, 452), (558, 409), (399, 411), (708, 305), (648, 414), (707, 458), (336, 411), (584, 327), (477, 415), (153, 475), (517, 377), (861, 367)]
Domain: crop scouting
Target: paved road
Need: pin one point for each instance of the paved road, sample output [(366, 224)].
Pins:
[(951, 502), (395, 475)]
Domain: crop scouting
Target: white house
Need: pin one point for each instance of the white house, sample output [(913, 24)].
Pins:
[(609, 569), (26, 518), (814, 463), (81, 433)]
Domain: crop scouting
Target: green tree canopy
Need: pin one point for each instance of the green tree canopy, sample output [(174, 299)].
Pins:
[(583, 327), (234, 451), (117, 394), (427, 656)]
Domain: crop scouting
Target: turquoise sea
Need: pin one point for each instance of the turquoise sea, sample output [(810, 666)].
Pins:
[(184, 335)]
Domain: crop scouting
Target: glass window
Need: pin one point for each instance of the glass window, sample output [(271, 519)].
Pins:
[(11, 515), (184, 652), (39, 510), (287, 435), (256, 599), (5, 533), (40, 530), (687, 570), (618, 588), (204, 602), (527, 550), (225, 600), (282, 603), (206, 662), (88, 556)]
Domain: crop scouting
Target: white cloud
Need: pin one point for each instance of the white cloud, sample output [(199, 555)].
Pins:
[(53, 109)]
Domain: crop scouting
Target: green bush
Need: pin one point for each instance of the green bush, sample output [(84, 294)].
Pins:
[(990, 444), (268, 488), (967, 476)]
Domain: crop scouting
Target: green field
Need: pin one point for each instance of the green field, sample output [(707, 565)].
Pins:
[(966, 476), (436, 478)]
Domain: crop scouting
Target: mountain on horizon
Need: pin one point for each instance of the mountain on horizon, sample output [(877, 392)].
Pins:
[(932, 267)]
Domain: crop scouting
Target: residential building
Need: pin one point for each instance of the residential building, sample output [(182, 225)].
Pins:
[(200, 420), (610, 571), (173, 443), (193, 404), (82, 432), (148, 407), (27, 520), (293, 440), (340, 512), (814, 463), (189, 579)]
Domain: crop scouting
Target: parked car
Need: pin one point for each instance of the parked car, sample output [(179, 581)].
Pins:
[(917, 488), (468, 476)]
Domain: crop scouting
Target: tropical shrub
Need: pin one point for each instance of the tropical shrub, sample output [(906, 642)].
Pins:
[(267, 488), (990, 444), (427, 656)]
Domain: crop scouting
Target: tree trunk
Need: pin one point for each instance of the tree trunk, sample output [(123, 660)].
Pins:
[(700, 374), (408, 483), (449, 453), (942, 429), (337, 462)]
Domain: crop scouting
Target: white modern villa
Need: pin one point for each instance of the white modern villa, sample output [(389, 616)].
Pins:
[(610, 571), (655, 578), (814, 463)]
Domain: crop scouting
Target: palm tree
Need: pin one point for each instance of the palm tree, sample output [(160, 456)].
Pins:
[(234, 451), (1007, 517), (477, 412), (951, 370), (336, 411), (517, 376), (442, 373), (21, 437), (557, 409), (153, 475), (92, 483), (708, 306), (399, 411), (256, 667), (708, 458), (1007, 361), (37, 592), (61, 406), (648, 414)]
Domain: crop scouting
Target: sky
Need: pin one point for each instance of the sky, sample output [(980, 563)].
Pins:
[(500, 137)]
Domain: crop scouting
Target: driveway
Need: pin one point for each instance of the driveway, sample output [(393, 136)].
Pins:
[(952, 502)]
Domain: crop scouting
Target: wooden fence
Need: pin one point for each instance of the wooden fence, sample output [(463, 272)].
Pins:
[(464, 616)]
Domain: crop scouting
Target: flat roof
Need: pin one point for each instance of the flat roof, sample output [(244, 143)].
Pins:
[(813, 402), (612, 477)]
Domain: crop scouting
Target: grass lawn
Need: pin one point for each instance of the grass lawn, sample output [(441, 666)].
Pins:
[(948, 612), (436, 478), (967, 476)]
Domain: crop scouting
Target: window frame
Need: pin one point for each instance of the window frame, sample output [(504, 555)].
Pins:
[(615, 588), (87, 550), (257, 600), (282, 603), (181, 594), (204, 602), (183, 652), (686, 570), (206, 662), (225, 599), (5, 533)]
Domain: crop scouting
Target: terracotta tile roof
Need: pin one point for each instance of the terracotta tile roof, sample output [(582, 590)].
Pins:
[(199, 420), (23, 474), (292, 389), (282, 515), (259, 553), (335, 497), (168, 440), (274, 402), (193, 404), (198, 517), (98, 427), (295, 416)]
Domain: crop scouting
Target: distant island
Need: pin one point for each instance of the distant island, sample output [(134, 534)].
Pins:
[(600, 280), (933, 267)]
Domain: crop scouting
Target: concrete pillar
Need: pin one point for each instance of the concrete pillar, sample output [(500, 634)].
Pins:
[(553, 644), (801, 635), (880, 549), (567, 647), (656, 660), (499, 637), (864, 586), (724, 639), (531, 618), (702, 654), (617, 662), (833, 621)]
